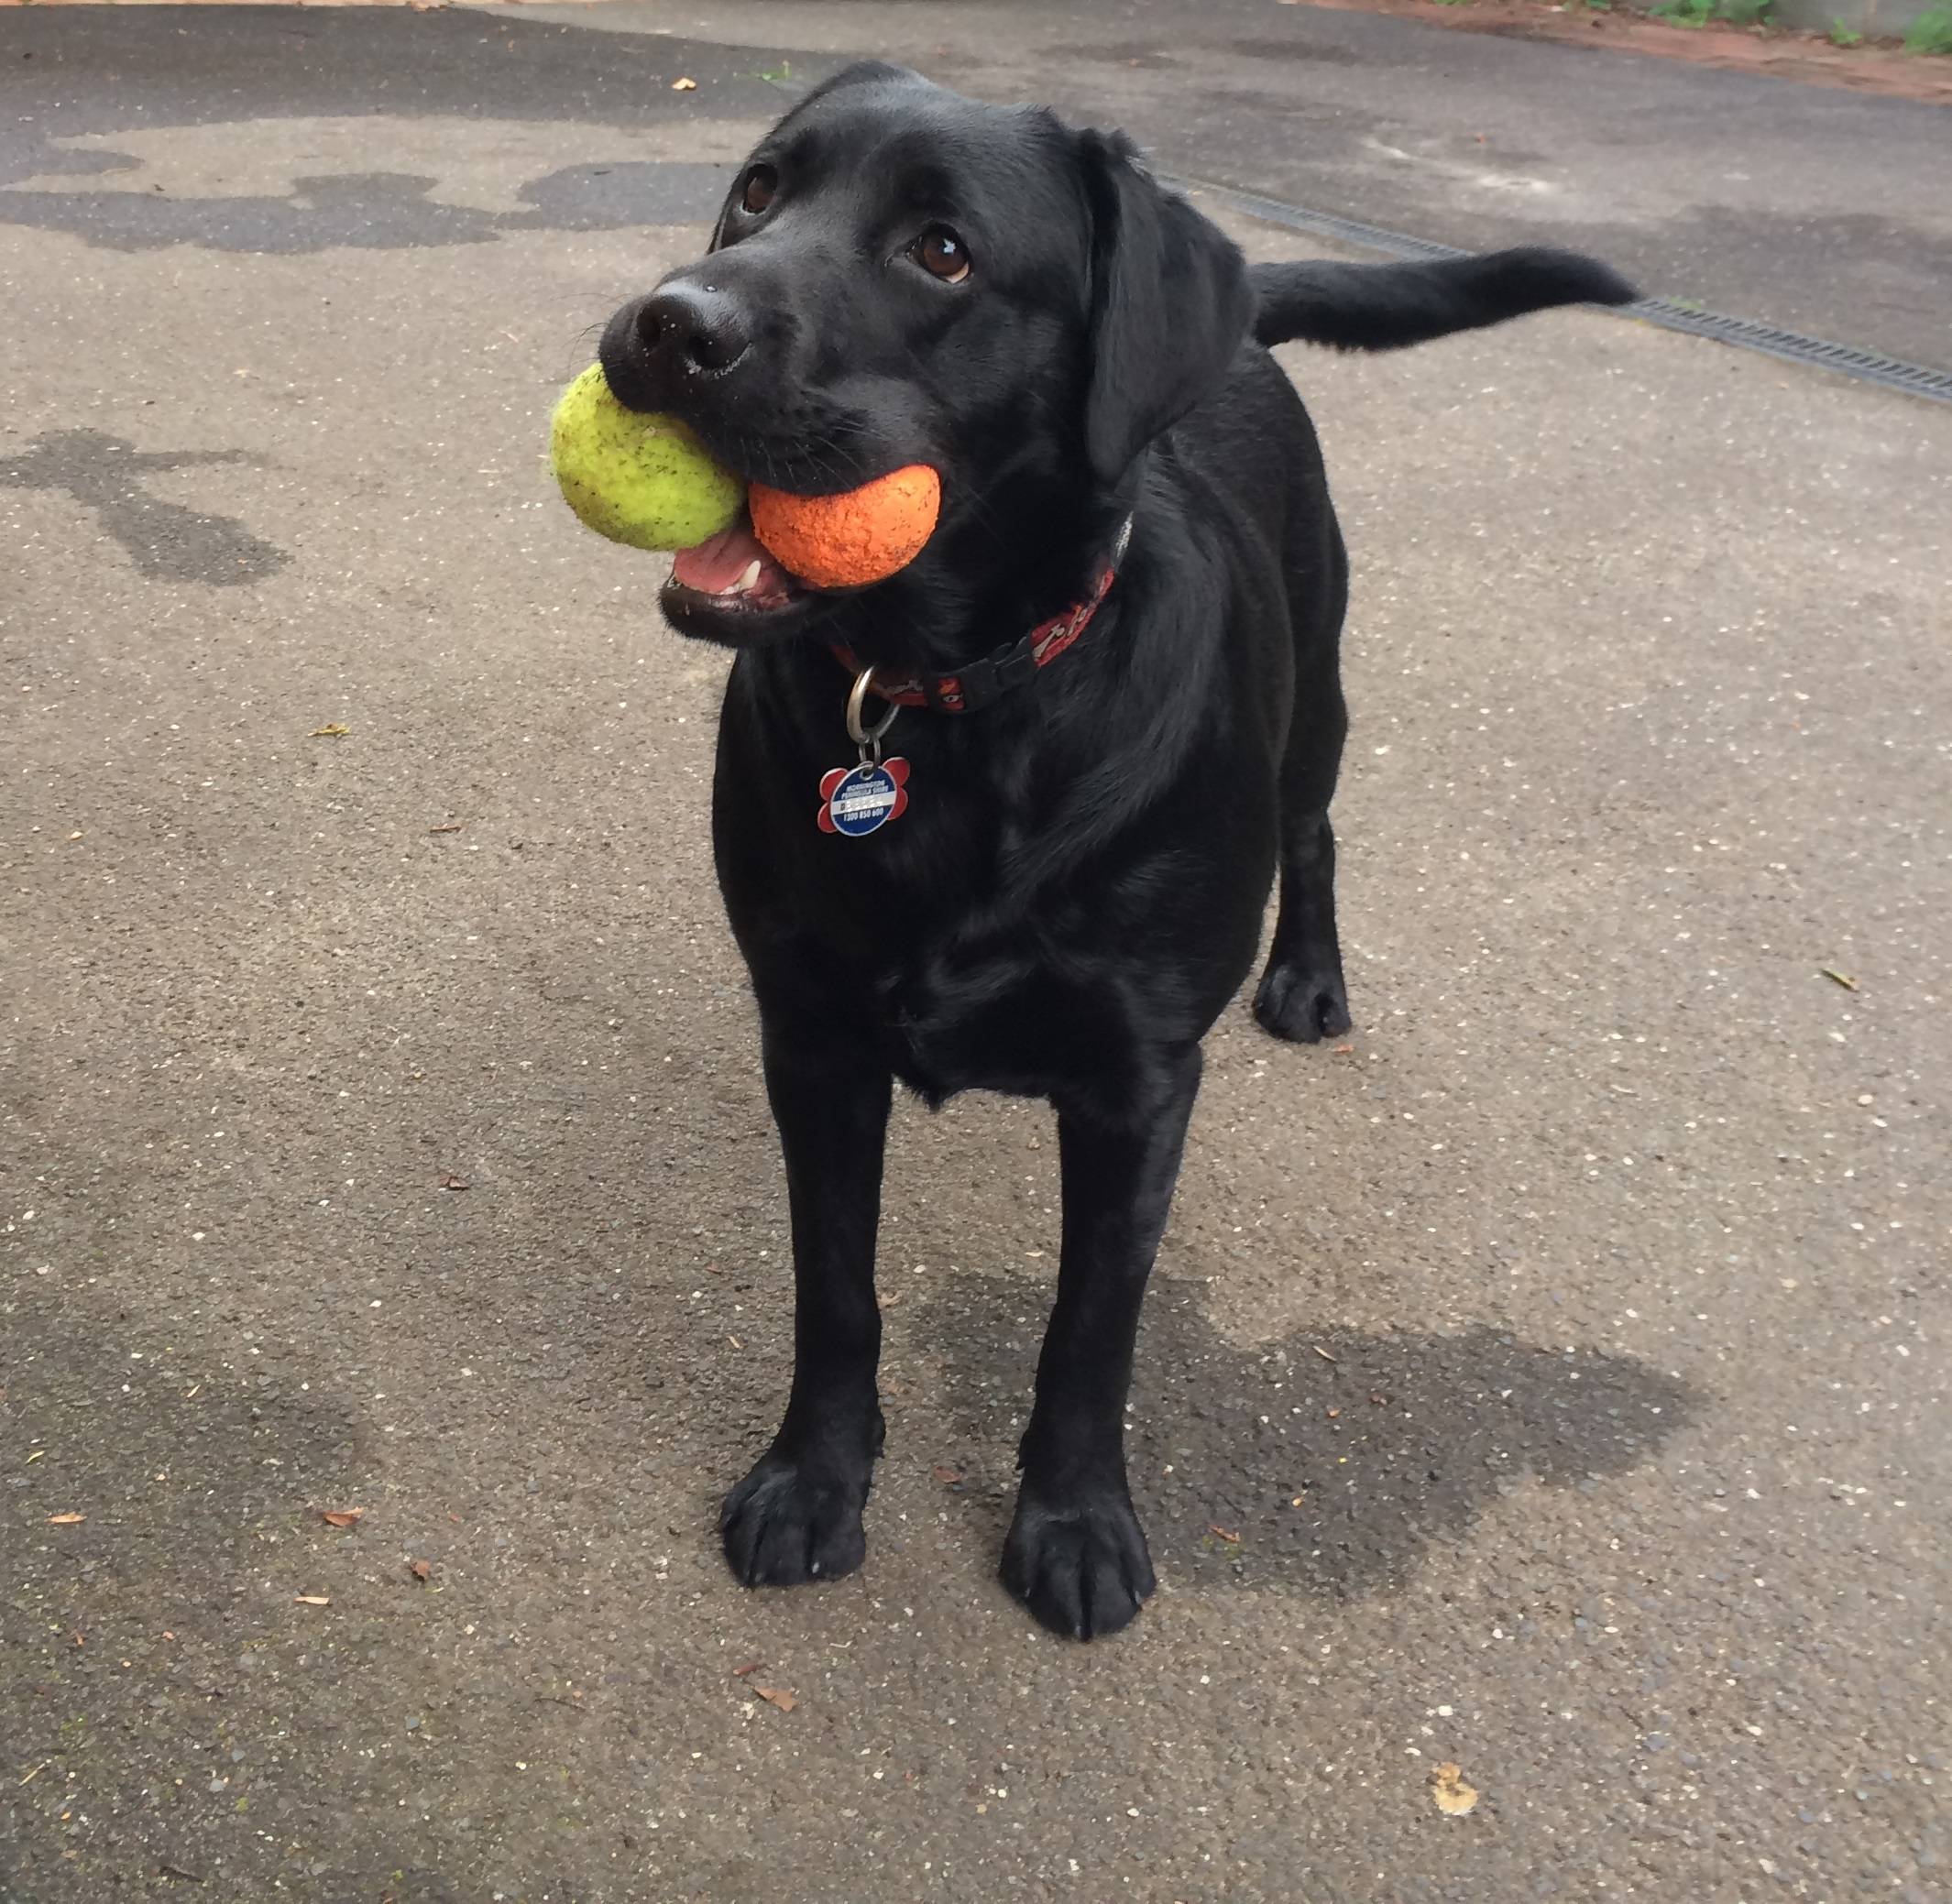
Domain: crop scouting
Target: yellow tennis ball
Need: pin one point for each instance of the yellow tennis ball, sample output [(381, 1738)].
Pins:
[(644, 480)]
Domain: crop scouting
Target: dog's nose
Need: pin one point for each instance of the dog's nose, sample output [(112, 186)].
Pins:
[(689, 328)]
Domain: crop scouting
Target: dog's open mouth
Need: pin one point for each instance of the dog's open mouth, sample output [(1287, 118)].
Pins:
[(732, 573)]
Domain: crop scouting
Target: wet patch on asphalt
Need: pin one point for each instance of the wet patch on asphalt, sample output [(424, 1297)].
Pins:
[(164, 540)]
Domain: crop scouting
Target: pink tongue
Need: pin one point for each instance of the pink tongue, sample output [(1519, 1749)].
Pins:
[(714, 564)]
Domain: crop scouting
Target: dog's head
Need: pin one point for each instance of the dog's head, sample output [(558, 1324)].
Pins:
[(900, 276)]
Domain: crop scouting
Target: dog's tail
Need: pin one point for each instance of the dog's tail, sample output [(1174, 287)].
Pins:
[(1385, 307)]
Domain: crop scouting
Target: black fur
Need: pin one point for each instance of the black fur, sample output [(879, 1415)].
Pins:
[(1385, 307), (1078, 888)]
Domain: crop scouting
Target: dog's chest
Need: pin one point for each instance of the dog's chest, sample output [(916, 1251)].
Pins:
[(968, 979), (958, 1014)]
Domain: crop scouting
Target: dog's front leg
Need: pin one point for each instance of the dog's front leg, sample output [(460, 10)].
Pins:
[(797, 1517), (1076, 1555)]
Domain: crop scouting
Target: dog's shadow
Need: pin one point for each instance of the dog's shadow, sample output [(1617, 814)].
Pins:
[(1325, 1462)]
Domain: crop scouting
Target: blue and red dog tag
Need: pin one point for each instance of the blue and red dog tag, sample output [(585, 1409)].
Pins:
[(856, 800), (859, 800)]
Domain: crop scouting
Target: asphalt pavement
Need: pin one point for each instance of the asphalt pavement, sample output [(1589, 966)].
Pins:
[(1550, 1385), (1823, 212)]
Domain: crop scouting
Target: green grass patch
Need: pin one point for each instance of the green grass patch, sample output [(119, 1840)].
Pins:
[(1713, 13), (1931, 32)]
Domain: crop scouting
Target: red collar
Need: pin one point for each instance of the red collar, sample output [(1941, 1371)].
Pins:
[(978, 683)]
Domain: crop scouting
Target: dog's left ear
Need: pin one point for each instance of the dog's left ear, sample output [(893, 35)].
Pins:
[(1171, 305)]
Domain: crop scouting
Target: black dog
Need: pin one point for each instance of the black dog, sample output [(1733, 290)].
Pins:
[(1131, 493)]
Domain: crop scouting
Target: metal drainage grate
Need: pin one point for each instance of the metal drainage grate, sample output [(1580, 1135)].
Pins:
[(1868, 366)]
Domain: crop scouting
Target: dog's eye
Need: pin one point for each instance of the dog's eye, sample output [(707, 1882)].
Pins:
[(761, 182), (942, 254)]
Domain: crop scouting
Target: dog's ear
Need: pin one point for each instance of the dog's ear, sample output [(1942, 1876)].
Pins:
[(1170, 305)]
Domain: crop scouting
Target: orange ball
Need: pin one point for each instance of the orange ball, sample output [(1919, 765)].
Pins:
[(849, 541)]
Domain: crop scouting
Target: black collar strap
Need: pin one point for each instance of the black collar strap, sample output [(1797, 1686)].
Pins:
[(978, 684)]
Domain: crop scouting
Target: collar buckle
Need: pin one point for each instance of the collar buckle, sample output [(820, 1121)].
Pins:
[(1012, 665)]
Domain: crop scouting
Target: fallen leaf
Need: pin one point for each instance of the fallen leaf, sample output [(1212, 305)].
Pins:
[(778, 1696), (331, 730), (949, 1477), (1843, 979), (341, 1517), (65, 1520), (1453, 1796), (684, 85), (740, 1673), (313, 1599), (36, 1456), (452, 1182), (421, 1569), (452, 827), (1230, 1534)]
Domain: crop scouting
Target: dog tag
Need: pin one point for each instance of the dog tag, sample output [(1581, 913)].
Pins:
[(856, 800)]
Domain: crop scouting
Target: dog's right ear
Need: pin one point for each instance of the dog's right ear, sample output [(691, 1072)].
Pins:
[(1169, 307)]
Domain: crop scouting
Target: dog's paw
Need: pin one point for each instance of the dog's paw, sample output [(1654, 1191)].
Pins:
[(789, 1522), (1081, 1568), (1301, 1005)]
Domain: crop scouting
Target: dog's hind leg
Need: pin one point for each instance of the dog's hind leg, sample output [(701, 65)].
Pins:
[(1301, 995)]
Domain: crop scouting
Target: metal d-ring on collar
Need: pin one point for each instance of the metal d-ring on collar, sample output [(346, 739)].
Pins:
[(867, 738)]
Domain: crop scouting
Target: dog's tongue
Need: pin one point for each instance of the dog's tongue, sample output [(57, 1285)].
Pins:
[(714, 566)]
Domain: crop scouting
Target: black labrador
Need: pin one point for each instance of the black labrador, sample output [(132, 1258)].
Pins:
[(1120, 647)]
